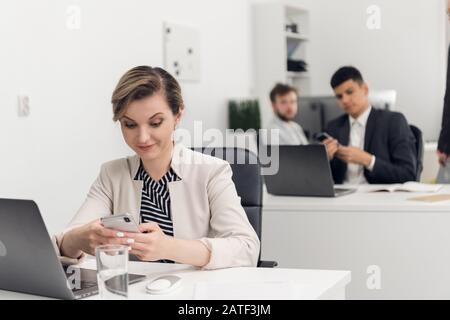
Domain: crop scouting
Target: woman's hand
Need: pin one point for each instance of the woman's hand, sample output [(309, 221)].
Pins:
[(86, 238), (150, 245), (154, 245)]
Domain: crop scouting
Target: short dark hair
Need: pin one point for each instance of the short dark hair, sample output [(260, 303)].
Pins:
[(344, 74), (281, 89)]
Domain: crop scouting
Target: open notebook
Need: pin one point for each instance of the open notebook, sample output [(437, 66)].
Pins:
[(407, 186)]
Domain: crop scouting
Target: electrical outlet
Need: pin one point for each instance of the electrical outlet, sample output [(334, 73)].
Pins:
[(23, 109)]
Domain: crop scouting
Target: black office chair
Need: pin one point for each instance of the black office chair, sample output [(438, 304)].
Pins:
[(419, 150), (249, 185)]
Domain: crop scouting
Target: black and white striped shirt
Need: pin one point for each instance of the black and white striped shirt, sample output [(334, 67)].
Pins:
[(155, 200)]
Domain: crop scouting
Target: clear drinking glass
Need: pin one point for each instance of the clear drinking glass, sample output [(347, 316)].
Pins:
[(112, 271)]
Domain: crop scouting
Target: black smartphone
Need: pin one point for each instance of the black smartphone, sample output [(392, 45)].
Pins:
[(322, 136)]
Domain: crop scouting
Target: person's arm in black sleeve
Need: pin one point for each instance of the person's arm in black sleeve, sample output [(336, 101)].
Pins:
[(338, 167), (401, 167), (444, 137)]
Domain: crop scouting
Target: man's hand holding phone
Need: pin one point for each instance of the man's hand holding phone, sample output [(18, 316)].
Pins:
[(331, 144)]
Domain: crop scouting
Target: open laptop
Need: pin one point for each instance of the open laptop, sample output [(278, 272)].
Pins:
[(28, 260), (304, 171)]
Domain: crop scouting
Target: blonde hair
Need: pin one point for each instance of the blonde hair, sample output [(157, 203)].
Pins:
[(142, 82)]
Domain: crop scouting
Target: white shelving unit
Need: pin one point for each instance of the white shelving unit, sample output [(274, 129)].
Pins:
[(297, 75), (274, 44), (296, 36)]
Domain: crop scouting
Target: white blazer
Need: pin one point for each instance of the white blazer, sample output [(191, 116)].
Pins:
[(204, 205)]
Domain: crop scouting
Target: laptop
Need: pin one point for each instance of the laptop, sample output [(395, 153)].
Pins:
[(304, 171), (28, 260)]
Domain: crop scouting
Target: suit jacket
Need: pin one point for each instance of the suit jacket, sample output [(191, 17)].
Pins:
[(389, 138), (444, 137), (204, 205)]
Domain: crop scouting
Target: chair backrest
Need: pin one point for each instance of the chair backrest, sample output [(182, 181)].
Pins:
[(419, 150), (247, 179)]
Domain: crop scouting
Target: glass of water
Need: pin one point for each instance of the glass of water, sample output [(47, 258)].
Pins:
[(112, 271)]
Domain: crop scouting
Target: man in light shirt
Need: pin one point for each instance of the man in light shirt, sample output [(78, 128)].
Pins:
[(284, 100), (368, 145)]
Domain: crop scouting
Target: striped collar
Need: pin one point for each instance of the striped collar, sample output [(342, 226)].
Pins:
[(169, 176), (175, 165)]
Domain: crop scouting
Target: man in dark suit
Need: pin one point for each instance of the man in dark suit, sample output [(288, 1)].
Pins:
[(444, 138), (368, 145)]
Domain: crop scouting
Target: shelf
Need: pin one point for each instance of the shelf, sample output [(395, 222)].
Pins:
[(295, 10), (297, 75), (274, 45), (296, 36)]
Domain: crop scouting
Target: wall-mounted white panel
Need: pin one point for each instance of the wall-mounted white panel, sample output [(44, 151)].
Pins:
[(182, 51)]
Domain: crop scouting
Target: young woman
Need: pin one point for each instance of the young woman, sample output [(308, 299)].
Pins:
[(186, 202)]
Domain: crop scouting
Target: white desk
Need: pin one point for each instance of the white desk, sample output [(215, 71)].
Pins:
[(409, 241), (307, 284)]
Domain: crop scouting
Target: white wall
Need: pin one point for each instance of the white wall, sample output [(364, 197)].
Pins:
[(407, 54), (54, 155)]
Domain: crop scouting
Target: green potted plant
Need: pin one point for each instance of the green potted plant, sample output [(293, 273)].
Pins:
[(244, 114)]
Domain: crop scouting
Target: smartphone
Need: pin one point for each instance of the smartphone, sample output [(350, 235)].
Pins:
[(322, 136), (122, 222)]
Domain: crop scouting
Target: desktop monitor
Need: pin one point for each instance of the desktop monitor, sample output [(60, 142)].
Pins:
[(310, 115), (315, 112)]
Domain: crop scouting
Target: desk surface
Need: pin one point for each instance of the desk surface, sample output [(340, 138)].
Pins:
[(306, 284), (361, 201), (398, 238)]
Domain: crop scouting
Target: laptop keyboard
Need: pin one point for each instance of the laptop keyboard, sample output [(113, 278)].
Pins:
[(85, 285)]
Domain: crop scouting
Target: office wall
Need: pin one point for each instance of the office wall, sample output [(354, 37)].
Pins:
[(408, 52), (54, 155)]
